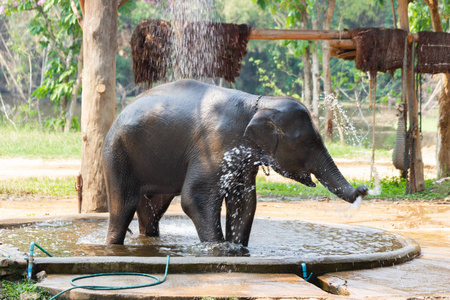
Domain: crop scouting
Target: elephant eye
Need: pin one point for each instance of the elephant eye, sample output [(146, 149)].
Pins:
[(310, 143)]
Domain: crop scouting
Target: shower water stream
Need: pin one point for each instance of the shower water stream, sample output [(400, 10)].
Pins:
[(194, 15), (354, 138)]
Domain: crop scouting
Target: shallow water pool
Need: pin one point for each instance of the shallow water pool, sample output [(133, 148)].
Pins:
[(269, 238)]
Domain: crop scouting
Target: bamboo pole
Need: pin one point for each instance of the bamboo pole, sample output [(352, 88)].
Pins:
[(290, 34), (337, 38)]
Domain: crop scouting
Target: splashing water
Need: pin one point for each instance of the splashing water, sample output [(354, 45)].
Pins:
[(194, 42), (270, 237), (354, 138), (234, 163)]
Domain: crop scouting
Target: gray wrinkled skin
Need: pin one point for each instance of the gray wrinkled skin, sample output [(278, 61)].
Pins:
[(205, 143)]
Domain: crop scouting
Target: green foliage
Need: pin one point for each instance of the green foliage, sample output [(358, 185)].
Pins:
[(32, 143), (62, 68), (359, 14), (54, 25), (420, 18), (284, 80), (396, 188), (393, 188), (14, 290)]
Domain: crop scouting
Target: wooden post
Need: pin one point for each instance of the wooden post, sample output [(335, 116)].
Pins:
[(417, 183)]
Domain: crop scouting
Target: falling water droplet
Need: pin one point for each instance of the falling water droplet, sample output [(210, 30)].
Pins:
[(357, 204), (355, 138)]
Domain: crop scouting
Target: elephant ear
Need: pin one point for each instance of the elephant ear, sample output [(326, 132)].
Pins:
[(263, 131)]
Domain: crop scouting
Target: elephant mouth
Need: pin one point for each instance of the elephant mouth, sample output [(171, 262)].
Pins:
[(303, 177), (306, 180)]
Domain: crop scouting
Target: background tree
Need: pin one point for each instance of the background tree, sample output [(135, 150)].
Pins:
[(55, 26), (99, 96), (304, 15), (438, 21), (328, 15), (268, 68)]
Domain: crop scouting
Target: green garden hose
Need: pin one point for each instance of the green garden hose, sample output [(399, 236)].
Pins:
[(100, 287)]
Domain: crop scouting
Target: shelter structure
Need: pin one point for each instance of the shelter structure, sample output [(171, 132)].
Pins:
[(373, 50)]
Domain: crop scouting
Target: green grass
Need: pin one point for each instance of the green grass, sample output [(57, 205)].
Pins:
[(337, 150), (13, 290), (63, 186), (32, 143), (278, 189), (391, 188), (429, 124)]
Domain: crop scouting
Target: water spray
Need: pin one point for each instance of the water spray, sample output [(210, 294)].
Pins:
[(355, 139)]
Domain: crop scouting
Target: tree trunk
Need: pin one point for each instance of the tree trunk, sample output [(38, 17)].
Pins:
[(315, 73), (306, 61), (443, 135), (98, 96), (327, 72), (306, 79), (417, 182), (316, 84)]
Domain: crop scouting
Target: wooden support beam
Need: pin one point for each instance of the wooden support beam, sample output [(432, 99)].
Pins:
[(290, 34), (342, 44), (347, 55), (337, 38)]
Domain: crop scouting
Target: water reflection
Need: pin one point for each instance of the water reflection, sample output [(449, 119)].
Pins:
[(288, 238)]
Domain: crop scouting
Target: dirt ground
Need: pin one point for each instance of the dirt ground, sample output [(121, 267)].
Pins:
[(22, 167), (428, 221)]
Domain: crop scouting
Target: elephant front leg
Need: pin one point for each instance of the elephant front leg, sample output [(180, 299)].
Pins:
[(150, 211), (241, 207)]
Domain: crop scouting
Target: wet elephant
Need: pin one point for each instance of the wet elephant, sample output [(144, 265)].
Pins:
[(206, 143)]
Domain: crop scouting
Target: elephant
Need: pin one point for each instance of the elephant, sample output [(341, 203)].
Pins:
[(206, 143)]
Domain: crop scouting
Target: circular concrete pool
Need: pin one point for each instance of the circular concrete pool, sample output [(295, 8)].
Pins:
[(270, 238)]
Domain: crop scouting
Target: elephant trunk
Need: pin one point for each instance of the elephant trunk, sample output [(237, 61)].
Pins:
[(329, 176)]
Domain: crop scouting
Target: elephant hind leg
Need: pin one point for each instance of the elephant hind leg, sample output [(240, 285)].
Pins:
[(150, 211), (124, 192), (119, 221)]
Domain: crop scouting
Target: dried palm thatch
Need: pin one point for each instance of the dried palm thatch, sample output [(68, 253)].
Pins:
[(150, 49), (153, 40), (229, 47), (433, 52), (379, 49)]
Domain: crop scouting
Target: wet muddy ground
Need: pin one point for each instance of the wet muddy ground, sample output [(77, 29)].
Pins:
[(428, 222)]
